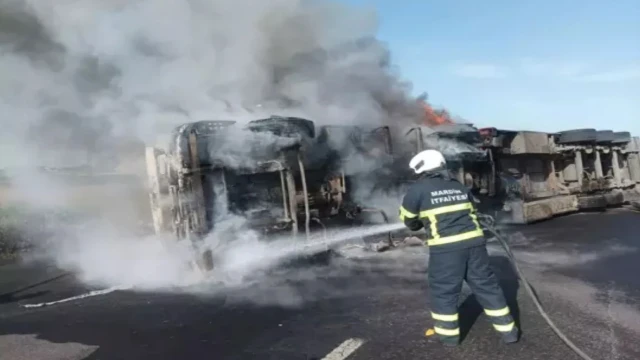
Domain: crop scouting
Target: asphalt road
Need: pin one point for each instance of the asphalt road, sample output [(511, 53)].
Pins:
[(584, 268)]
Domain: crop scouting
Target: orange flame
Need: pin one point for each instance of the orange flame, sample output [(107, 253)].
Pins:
[(435, 117)]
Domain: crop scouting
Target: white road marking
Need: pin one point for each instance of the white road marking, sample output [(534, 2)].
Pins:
[(89, 294), (345, 349)]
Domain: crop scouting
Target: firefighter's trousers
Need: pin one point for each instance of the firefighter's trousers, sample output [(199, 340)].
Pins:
[(447, 270)]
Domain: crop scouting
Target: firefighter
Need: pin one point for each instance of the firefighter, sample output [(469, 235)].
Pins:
[(457, 247)]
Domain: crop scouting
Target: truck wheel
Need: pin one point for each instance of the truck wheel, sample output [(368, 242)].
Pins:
[(592, 202), (621, 137), (578, 135), (285, 126), (614, 198), (605, 136)]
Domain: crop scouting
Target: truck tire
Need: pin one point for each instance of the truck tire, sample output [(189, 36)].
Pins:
[(285, 126), (614, 198), (621, 137), (210, 127), (592, 202), (578, 135), (604, 136)]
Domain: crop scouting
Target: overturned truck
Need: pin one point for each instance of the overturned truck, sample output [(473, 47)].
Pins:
[(547, 174), (278, 173), (287, 174)]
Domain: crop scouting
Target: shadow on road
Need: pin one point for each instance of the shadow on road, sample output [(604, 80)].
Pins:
[(12, 297), (470, 310), (6, 297)]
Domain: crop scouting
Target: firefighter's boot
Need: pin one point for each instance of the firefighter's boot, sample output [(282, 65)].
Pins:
[(448, 341), (512, 336)]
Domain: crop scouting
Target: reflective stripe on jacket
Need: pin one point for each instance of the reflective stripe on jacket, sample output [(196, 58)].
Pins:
[(444, 207)]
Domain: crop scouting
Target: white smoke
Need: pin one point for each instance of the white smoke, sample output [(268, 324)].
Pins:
[(110, 69), (82, 81)]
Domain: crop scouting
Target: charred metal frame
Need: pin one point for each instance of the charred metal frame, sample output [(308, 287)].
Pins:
[(307, 213), (188, 205)]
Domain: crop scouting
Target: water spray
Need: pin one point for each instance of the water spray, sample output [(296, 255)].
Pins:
[(245, 257)]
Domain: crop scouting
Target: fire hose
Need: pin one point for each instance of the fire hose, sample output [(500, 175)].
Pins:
[(489, 224)]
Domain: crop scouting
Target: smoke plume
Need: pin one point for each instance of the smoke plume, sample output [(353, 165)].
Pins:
[(79, 77), (84, 83)]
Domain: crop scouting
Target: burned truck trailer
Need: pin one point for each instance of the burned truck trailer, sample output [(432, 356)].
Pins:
[(278, 173)]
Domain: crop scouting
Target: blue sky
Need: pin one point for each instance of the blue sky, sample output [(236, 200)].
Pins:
[(538, 65)]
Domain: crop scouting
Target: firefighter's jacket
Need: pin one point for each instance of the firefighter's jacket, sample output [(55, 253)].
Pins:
[(444, 207)]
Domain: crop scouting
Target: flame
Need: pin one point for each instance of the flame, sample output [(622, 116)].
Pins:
[(435, 117)]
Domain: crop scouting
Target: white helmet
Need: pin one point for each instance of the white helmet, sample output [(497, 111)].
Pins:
[(427, 160)]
